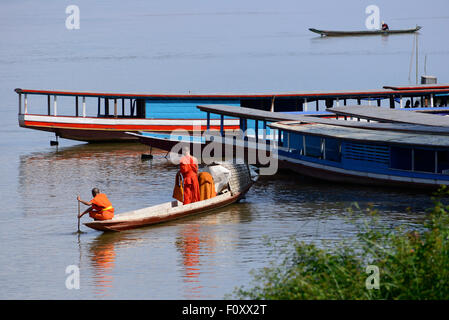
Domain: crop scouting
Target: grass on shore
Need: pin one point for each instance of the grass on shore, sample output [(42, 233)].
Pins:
[(411, 264)]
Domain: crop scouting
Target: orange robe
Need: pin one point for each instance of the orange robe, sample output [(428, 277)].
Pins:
[(189, 171), (178, 192), (207, 186), (102, 208)]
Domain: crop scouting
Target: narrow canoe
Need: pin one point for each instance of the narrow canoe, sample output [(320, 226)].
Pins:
[(331, 33), (240, 182)]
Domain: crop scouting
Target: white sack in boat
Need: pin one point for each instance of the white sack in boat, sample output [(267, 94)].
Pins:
[(221, 176)]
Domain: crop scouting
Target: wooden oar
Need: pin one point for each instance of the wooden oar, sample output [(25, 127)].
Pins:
[(79, 211)]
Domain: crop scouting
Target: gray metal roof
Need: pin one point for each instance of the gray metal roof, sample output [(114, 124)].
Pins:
[(366, 136), (250, 113), (392, 115)]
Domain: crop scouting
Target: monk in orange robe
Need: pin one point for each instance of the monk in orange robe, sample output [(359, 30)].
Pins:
[(100, 206), (207, 186), (189, 170)]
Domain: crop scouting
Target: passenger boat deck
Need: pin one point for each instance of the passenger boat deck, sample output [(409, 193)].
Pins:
[(107, 116)]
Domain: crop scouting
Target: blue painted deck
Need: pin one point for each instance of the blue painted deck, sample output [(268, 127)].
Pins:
[(182, 109)]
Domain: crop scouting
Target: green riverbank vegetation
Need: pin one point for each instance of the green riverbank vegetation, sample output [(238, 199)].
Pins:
[(381, 263)]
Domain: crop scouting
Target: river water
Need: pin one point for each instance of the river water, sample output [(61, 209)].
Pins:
[(177, 47)]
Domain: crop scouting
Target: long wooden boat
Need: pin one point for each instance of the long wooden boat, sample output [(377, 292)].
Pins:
[(366, 156), (334, 33), (240, 182), (406, 149), (107, 116)]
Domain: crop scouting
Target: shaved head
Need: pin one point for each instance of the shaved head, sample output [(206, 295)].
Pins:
[(95, 191)]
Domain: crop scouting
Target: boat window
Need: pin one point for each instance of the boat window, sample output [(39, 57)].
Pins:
[(251, 128), (313, 146), (295, 143), (401, 158), (424, 160), (420, 160), (333, 149), (443, 162), (281, 138), (285, 138)]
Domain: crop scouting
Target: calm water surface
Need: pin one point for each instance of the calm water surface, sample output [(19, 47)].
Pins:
[(253, 46)]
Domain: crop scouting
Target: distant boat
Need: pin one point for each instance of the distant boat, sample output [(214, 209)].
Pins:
[(331, 33), (241, 178)]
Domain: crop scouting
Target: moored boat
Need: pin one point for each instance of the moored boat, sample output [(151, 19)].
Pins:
[(103, 116), (335, 33), (406, 148), (365, 156), (235, 187)]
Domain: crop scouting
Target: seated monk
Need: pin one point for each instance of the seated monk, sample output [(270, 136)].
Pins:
[(207, 186), (189, 170), (100, 206)]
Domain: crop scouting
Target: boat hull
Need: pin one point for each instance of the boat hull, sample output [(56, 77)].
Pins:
[(239, 181), (191, 209), (111, 129), (360, 178), (331, 33)]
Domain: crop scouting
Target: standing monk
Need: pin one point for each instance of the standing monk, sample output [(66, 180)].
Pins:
[(189, 170), (100, 206)]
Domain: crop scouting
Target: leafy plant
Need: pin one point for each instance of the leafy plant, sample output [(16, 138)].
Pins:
[(412, 264)]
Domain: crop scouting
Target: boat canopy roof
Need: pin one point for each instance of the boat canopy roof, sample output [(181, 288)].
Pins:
[(419, 87), (249, 113), (393, 115), (364, 135)]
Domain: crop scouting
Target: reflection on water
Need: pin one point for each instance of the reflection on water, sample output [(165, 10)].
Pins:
[(102, 257), (203, 256), (198, 242), (188, 243)]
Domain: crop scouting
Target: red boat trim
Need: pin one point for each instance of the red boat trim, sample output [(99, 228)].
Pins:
[(409, 90), (423, 87), (117, 127)]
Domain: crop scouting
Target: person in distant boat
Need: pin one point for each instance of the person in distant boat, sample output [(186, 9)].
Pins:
[(100, 206), (207, 186), (408, 104), (189, 170), (385, 26)]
